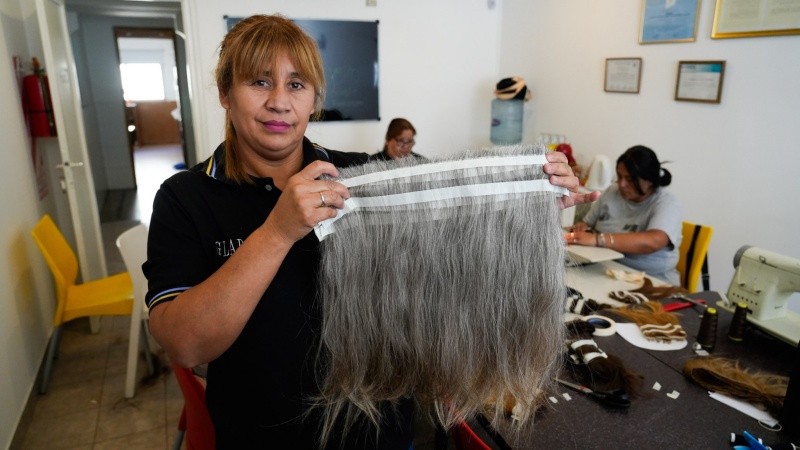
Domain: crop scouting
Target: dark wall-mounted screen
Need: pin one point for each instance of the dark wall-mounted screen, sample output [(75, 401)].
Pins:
[(349, 52)]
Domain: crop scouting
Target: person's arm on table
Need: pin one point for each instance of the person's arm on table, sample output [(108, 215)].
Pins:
[(641, 242), (202, 322)]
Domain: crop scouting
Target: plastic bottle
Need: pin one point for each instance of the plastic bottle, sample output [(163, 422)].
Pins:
[(506, 122)]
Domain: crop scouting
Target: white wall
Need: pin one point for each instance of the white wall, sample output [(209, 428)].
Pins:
[(734, 164), (438, 67), (26, 302)]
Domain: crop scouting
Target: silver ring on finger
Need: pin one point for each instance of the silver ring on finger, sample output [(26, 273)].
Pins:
[(322, 200)]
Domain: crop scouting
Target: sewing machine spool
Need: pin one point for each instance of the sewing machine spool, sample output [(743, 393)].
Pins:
[(765, 281)]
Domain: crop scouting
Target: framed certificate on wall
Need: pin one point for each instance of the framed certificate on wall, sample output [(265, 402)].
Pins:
[(623, 75), (700, 81), (669, 21), (748, 18)]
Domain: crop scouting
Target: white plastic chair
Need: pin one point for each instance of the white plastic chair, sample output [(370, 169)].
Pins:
[(132, 244)]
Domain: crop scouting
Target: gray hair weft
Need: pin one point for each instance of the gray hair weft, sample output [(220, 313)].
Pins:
[(456, 302)]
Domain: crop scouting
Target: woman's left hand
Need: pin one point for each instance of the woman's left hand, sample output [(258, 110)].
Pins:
[(561, 175), (576, 237)]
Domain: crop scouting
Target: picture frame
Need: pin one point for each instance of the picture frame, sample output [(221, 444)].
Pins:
[(745, 18), (700, 81), (669, 21), (623, 75)]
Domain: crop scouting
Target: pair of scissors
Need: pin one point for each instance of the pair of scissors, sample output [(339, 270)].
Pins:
[(614, 399), (684, 302)]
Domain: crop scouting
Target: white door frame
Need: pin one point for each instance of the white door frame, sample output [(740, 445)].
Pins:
[(75, 163)]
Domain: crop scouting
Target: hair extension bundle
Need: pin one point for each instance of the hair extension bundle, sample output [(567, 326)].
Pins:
[(658, 292), (595, 368), (629, 297), (725, 376), (443, 281), (655, 323), (577, 304)]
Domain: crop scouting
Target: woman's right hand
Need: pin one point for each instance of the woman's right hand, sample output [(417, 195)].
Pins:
[(306, 201)]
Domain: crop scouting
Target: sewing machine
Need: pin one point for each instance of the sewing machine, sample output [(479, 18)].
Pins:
[(765, 281)]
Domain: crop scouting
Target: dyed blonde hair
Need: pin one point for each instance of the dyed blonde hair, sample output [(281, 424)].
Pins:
[(251, 46)]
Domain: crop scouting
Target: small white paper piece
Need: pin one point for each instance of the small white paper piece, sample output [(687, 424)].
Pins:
[(553, 399), (631, 333), (566, 396), (674, 395), (745, 408), (657, 386)]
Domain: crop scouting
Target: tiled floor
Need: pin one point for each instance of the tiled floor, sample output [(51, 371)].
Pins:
[(84, 407)]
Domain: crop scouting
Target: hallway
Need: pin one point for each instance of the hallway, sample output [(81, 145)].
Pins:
[(153, 164), (84, 407)]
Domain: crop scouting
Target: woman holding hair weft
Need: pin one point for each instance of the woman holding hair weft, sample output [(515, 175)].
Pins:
[(232, 260), (636, 217)]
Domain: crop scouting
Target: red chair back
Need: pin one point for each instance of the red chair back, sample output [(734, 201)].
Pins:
[(195, 419), (466, 439)]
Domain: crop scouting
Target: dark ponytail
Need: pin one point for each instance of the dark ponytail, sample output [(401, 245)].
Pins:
[(642, 164)]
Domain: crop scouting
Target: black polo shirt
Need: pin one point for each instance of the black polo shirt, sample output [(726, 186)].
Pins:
[(258, 389)]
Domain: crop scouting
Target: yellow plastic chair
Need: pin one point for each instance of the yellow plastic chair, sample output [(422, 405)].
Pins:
[(693, 261), (109, 296)]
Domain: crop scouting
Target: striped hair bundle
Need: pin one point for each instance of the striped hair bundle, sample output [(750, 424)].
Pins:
[(655, 323)]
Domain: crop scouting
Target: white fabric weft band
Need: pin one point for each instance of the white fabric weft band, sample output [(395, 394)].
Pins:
[(327, 226), (445, 166)]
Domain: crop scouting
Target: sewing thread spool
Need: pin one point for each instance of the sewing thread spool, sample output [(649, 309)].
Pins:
[(736, 330), (707, 336)]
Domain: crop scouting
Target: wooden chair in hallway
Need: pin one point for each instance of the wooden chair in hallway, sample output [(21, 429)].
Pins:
[(132, 245), (195, 423), (109, 296), (693, 260)]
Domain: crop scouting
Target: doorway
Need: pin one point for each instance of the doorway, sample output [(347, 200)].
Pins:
[(93, 35), (154, 123)]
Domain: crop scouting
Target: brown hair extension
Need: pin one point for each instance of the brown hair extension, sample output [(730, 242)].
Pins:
[(726, 377), (655, 323), (659, 292), (603, 373)]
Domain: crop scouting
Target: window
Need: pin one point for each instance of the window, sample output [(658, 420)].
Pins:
[(142, 81)]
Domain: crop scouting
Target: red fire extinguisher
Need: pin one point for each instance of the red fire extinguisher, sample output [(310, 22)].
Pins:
[(37, 103)]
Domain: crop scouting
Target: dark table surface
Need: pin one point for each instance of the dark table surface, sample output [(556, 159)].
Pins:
[(693, 420)]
